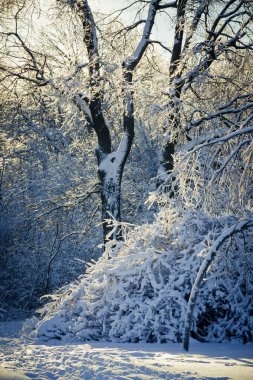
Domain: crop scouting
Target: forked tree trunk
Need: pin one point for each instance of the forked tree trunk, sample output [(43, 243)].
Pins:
[(111, 164)]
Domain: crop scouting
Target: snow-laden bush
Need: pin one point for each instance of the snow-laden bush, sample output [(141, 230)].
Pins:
[(138, 290)]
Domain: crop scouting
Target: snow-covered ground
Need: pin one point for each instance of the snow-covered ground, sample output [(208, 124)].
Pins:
[(100, 360)]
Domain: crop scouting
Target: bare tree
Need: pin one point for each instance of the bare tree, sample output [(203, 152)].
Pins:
[(205, 32), (111, 164), (35, 70)]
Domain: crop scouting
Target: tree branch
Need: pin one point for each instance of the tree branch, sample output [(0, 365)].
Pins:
[(227, 233)]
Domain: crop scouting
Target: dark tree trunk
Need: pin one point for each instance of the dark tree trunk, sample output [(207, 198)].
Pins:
[(111, 167), (111, 164), (110, 181), (167, 161)]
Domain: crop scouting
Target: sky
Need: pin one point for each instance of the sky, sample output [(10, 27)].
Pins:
[(162, 29)]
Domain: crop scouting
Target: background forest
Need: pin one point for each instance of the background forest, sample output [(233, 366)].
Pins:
[(131, 155)]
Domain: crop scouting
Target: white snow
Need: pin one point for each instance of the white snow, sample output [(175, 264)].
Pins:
[(102, 360), (111, 163)]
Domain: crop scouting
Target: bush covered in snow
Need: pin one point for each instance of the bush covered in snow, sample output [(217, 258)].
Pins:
[(138, 290)]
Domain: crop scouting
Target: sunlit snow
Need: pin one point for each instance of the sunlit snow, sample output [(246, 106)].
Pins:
[(102, 360)]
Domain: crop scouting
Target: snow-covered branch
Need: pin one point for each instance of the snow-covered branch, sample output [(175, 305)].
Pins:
[(226, 234), (172, 4), (131, 62), (219, 140), (221, 112)]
